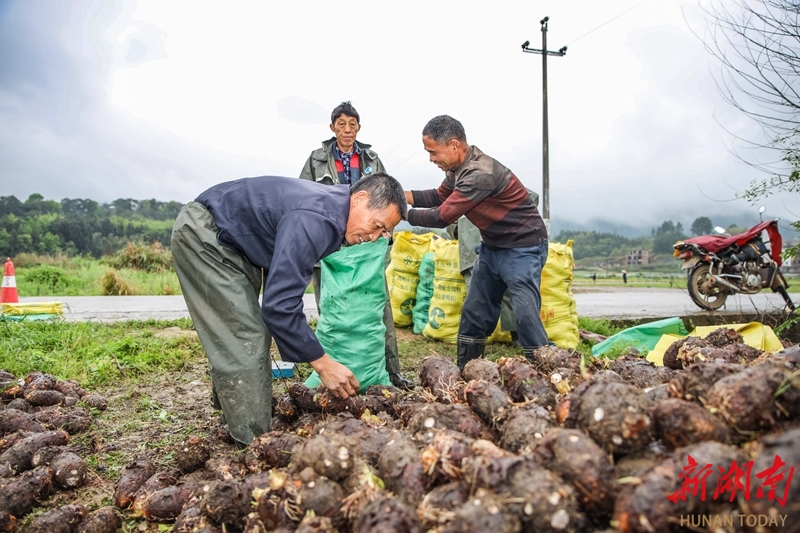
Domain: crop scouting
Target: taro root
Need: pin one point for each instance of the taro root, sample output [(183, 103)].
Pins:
[(306, 423), (743, 353), (60, 520), (719, 338), (444, 452), (321, 400), (253, 524), (671, 359), (18, 457), (388, 515), (19, 404), (95, 401), (330, 455), (485, 512), (584, 465), (166, 504), (193, 520), (641, 372), (284, 408), (489, 467), (154, 483), (271, 450), (525, 426), (69, 470), (786, 500), (488, 401), (40, 397), (439, 505), (39, 381), (549, 358), (226, 502), (103, 520), (543, 500), (681, 423), (382, 399), (481, 368), (274, 503), (19, 495), (192, 454), (316, 524), (7, 441), (69, 388), (637, 463), (524, 383), (133, 477), (442, 378), (756, 398), (362, 486), (369, 441), (613, 413), (457, 417), (12, 420), (400, 468), (662, 494), (320, 495), (227, 468), (693, 383), (71, 420), (659, 392)]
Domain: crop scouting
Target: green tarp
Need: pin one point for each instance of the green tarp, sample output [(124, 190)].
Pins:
[(642, 337)]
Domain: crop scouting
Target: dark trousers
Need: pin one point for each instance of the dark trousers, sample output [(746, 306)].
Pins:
[(221, 290), (520, 271)]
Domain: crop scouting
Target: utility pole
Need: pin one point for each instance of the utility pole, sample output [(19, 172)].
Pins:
[(545, 136)]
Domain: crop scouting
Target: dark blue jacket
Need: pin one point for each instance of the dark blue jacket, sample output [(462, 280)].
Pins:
[(284, 226)]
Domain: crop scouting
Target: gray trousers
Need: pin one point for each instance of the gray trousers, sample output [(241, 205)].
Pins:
[(506, 314), (392, 358), (221, 290)]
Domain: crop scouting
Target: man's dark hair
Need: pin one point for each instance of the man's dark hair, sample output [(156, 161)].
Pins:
[(443, 128), (345, 108), (383, 191)]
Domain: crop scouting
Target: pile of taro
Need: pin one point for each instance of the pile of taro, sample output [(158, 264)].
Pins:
[(554, 446), (38, 416)]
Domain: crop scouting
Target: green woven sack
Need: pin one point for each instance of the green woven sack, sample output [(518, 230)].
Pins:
[(424, 293), (352, 298)]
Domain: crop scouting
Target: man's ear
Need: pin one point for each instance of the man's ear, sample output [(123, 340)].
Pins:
[(331, 127), (359, 197)]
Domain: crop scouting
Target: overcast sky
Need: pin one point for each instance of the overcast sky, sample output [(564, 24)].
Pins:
[(162, 99)]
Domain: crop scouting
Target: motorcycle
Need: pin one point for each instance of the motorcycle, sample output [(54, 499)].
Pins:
[(721, 265)]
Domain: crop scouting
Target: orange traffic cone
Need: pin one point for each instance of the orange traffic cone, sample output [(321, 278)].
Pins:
[(8, 294)]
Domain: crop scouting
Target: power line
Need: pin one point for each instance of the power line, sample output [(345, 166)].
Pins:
[(606, 22)]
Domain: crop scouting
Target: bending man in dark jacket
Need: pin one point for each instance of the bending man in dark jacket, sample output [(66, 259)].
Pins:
[(220, 244), (513, 247)]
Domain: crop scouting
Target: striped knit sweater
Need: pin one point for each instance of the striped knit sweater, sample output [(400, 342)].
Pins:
[(490, 196)]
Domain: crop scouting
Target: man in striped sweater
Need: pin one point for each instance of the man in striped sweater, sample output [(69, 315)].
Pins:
[(513, 247)]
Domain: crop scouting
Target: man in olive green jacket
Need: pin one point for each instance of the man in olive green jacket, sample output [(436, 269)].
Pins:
[(343, 160)]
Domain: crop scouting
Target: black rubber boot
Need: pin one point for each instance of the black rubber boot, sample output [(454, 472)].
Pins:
[(469, 348), (400, 382), (528, 352)]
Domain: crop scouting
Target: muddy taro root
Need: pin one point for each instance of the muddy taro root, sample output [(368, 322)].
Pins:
[(442, 378), (19, 495), (583, 464), (388, 514), (777, 454), (271, 450), (192, 454), (133, 477), (693, 383), (60, 520), (400, 468), (613, 413), (481, 368), (524, 383), (525, 427), (330, 455), (103, 520), (681, 423), (488, 401), (485, 511)]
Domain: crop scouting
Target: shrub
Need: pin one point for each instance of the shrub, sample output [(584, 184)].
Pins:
[(112, 284), (138, 256), (47, 279)]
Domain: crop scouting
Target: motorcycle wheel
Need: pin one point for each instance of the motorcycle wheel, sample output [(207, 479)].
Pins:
[(710, 298)]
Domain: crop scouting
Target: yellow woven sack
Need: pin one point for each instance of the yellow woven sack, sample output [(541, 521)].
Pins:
[(402, 274), (35, 308), (449, 291), (559, 313)]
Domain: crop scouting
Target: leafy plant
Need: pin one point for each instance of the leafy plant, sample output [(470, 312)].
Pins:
[(138, 256)]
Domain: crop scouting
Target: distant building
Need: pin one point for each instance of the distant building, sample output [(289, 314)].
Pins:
[(791, 266), (637, 257)]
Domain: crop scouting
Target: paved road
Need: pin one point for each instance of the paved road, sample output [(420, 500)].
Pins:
[(599, 302)]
